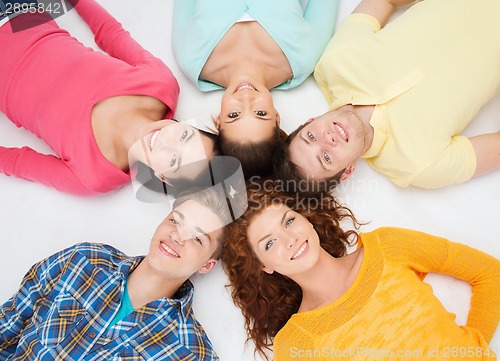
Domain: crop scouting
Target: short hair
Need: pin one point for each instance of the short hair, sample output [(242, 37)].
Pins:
[(285, 170), (255, 157), (214, 199)]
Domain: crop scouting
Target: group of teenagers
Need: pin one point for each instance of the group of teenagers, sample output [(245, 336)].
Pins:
[(400, 94)]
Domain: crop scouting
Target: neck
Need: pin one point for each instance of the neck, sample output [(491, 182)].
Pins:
[(312, 283), (145, 285), (255, 73), (364, 112), (129, 129)]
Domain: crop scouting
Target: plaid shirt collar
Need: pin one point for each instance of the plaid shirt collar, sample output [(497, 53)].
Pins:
[(183, 297)]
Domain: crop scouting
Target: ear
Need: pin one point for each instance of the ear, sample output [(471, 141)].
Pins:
[(310, 120), (268, 270), (207, 267), (348, 171), (278, 118), (217, 122)]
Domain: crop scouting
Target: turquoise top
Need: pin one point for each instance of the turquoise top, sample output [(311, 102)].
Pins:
[(125, 307), (301, 28)]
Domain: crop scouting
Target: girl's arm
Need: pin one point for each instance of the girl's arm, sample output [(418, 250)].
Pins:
[(426, 253), (49, 170), (322, 17), (110, 35), (182, 14)]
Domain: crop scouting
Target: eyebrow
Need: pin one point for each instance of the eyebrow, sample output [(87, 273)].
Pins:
[(321, 163), (282, 220), (204, 233), (232, 120), (198, 229), (318, 157), (178, 164), (179, 214)]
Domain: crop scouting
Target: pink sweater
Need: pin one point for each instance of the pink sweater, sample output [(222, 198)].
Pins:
[(49, 83)]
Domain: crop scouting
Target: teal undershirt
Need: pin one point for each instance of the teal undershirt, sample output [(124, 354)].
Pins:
[(125, 308)]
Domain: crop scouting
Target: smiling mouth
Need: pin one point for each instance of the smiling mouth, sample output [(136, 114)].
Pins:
[(300, 251), (245, 86), (342, 131), (153, 138), (169, 250)]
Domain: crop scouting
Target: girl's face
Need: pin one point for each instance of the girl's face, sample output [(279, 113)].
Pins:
[(247, 113), (169, 146), (283, 240)]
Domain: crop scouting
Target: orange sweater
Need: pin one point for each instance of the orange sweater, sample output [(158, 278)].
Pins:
[(390, 314)]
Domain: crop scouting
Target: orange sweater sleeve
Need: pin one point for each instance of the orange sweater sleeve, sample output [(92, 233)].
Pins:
[(427, 253)]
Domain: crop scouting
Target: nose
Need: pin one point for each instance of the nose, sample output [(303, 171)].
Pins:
[(290, 240), (328, 138), (176, 237)]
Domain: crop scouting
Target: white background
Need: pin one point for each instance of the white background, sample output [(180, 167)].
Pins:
[(36, 221)]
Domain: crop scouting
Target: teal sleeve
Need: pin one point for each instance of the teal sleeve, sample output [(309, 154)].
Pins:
[(183, 12), (321, 16)]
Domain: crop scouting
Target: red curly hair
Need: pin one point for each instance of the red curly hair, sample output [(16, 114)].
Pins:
[(267, 300)]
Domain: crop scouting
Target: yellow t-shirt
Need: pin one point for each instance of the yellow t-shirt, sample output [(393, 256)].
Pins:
[(428, 72), (390, 314)]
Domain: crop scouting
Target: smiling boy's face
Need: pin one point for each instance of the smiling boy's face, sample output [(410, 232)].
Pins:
[(328, 144), (185, 242)]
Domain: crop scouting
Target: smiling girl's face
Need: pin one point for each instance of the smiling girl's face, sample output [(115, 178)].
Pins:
[(283, 240), (169, 146)]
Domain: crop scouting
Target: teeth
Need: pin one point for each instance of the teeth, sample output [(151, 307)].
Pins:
[(246, 86), (300, 251), (153, 139), (169, 250), (341, 131)]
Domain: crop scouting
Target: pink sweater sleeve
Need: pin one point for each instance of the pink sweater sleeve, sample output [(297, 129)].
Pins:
[(110, 35), (41, 168)]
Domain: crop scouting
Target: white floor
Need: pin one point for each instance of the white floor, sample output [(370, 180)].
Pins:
[(36, 221)]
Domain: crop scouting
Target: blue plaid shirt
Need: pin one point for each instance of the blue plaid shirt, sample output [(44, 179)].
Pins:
[(66, 302)]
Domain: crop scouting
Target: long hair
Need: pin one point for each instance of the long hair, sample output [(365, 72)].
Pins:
[(285, 169), (255, 157), (267, 300)]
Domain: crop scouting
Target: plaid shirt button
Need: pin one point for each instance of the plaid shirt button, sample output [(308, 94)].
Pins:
[(92, 335)]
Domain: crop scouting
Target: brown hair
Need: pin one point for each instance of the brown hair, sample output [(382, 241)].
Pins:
[(217, 150), (286, 170), (255, 157), (267, 300)]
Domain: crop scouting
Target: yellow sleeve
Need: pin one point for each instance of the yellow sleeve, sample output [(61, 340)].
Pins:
[(456, 164), (426, 253)]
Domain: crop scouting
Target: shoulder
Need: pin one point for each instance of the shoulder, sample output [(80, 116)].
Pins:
[(98, 254)]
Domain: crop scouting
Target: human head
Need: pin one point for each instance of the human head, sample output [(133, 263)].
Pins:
[(323, 150), (214, 199), (174, 150), (268, 300), (189, 239), (248, 126)]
